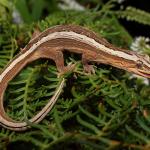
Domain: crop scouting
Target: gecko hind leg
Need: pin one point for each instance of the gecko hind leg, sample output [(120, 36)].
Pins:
[(87, 68)]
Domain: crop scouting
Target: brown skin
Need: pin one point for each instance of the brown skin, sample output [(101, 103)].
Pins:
[(137, 67), (53, 49)]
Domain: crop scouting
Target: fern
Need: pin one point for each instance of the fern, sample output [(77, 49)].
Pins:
[(25, 97), (105, 110), (134, 14), (8, 44)]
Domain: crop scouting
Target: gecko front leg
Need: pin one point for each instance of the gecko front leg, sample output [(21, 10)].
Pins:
[(58, 58)]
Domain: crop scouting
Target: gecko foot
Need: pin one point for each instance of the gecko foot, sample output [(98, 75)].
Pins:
[(66, 69), (89, 69)]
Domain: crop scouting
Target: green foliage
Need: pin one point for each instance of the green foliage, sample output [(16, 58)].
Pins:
[(134, 14), (34, 10), (8, 43), (25, 96), (105, 110), (92, 21), (141, 44)]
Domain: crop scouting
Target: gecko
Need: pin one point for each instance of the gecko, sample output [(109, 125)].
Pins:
[(51, 44)]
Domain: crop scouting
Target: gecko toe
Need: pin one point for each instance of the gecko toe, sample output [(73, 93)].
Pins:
[(66, 69), (89, 69)]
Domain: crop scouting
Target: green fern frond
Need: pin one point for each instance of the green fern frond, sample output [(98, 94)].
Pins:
[(134, 14), (92, 21), (30, 91), (8, 44), (104, 110)]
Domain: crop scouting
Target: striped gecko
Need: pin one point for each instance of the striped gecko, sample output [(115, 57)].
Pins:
[(50, 44)]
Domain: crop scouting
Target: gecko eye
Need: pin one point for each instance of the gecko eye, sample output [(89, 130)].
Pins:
[(139, 64)]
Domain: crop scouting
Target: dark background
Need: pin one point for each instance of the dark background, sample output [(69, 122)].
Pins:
[(133, 27)]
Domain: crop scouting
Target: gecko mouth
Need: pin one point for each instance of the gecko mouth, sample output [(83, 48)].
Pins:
[(144, 73)]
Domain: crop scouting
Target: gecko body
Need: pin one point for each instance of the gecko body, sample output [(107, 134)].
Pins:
[(50, 44)]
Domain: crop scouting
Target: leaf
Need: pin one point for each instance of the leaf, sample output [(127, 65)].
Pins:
[(38, 7), (134, 14), (22, 7)]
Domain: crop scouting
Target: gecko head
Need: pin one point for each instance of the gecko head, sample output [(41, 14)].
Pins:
[(128, 60), (135, 63), (141, 66)]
